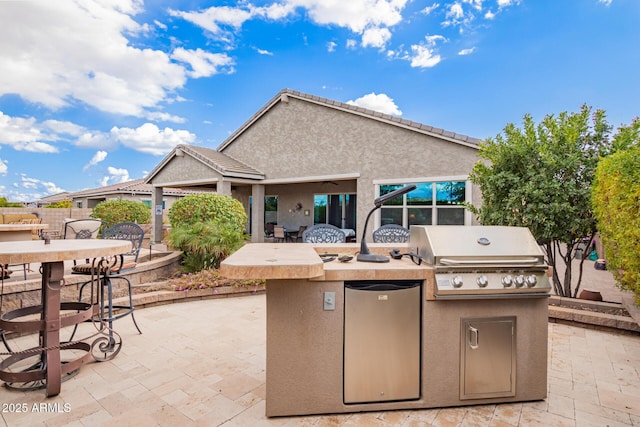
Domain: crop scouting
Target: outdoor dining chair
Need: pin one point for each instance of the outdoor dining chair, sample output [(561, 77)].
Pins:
[(298, 235), (391, 233), (323, 233), (87, 228), (278, 233), (113, 272)]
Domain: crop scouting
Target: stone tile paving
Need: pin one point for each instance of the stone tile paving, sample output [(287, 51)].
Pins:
[(202, 363)]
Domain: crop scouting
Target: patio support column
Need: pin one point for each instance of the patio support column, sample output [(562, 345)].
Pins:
[(257, 213), (224, 187), (156, 214)]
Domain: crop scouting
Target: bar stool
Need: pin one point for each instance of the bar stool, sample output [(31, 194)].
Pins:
[(114, 271)]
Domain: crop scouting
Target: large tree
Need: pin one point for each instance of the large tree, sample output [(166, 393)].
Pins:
[(539, 176)]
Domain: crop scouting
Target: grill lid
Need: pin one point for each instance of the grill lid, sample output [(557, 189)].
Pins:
[(476, 245)]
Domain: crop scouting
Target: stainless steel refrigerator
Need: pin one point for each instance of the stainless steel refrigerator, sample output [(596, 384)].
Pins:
[(382, 335)]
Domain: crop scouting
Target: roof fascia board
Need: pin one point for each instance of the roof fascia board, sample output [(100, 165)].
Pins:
[(186, 183), (338, 177)]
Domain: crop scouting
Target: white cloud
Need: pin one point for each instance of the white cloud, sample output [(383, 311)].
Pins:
[(3, 167), (149, 139), (476, 4), (467, 51), (376, 37), (489, 15), (115, 176), (202, 63), (101, 67), (425, 55), (367, 18), (37, 189), (331, 46), (427, 10), (605, 2), (264, 52), (377, 102), (97, 158), (24, 135)]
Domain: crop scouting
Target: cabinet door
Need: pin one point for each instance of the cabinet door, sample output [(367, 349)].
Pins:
[(487, 358)]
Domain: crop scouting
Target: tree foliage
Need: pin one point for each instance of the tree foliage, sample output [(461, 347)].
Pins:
[(616, 201), (120, 210), (540, 176)]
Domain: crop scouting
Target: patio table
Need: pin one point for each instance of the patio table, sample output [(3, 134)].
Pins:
[(50, 371)]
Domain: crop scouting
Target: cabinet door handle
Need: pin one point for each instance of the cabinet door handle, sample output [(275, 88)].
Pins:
[(473, 337)]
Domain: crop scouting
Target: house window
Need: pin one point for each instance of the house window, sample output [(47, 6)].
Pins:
[(147, 203), (431, 203), (271, 209)]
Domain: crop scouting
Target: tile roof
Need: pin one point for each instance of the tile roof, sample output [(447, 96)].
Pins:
[(135, 186), (375, 115)]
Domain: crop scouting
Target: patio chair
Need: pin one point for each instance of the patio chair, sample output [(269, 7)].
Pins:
[(268, 230), (278, 233), (87, 228), (391, 233), (113, 271), (298, 236), (323, 233)]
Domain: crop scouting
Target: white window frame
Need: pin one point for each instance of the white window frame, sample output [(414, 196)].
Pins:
[(404, 181)]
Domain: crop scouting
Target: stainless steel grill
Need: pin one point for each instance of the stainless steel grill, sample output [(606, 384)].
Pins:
[(482, 261)]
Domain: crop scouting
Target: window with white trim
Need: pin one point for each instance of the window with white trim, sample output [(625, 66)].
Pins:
[(431, 203)]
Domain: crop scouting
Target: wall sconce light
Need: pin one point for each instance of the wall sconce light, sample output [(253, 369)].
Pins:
[(296, 208), (306, 212)]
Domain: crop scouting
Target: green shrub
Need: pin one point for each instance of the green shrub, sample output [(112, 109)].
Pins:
[(204, 207), (4, 203), (119, 210), (66, 203), (205, 244), (616, 201)]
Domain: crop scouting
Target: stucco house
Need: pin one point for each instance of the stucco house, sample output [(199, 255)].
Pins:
[(303, 159)]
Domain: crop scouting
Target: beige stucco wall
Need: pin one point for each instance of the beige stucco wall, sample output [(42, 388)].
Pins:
[(184, 169), (305, 350), (302, 139)]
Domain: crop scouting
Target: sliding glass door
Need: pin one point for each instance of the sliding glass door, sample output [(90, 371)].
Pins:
[(335, 209)]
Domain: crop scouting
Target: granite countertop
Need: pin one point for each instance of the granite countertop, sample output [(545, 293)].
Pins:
[(303, 261)]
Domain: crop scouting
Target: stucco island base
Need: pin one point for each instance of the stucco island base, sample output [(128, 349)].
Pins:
[(304, 373)]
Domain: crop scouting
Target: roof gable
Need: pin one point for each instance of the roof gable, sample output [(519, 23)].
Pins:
[(283, 96), (223, 164)]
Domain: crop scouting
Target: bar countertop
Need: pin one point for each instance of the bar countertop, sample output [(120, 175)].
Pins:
[(302, 261)]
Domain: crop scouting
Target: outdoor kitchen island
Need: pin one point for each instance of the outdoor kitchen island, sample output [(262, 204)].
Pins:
[(357, 336)]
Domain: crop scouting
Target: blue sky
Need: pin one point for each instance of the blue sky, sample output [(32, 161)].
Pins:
[(95, 92)]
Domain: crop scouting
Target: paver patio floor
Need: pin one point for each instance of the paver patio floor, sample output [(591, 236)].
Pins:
[(202, 363)]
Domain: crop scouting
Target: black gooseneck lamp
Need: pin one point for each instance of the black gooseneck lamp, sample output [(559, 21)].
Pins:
[(365, 255)]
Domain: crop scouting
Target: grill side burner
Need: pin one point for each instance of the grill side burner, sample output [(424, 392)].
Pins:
[(482, 261)]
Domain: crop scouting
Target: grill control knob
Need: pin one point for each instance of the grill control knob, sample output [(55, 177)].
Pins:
[(507, 281), (519, 281), (531, 280), (457, 281), (482, 281)]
